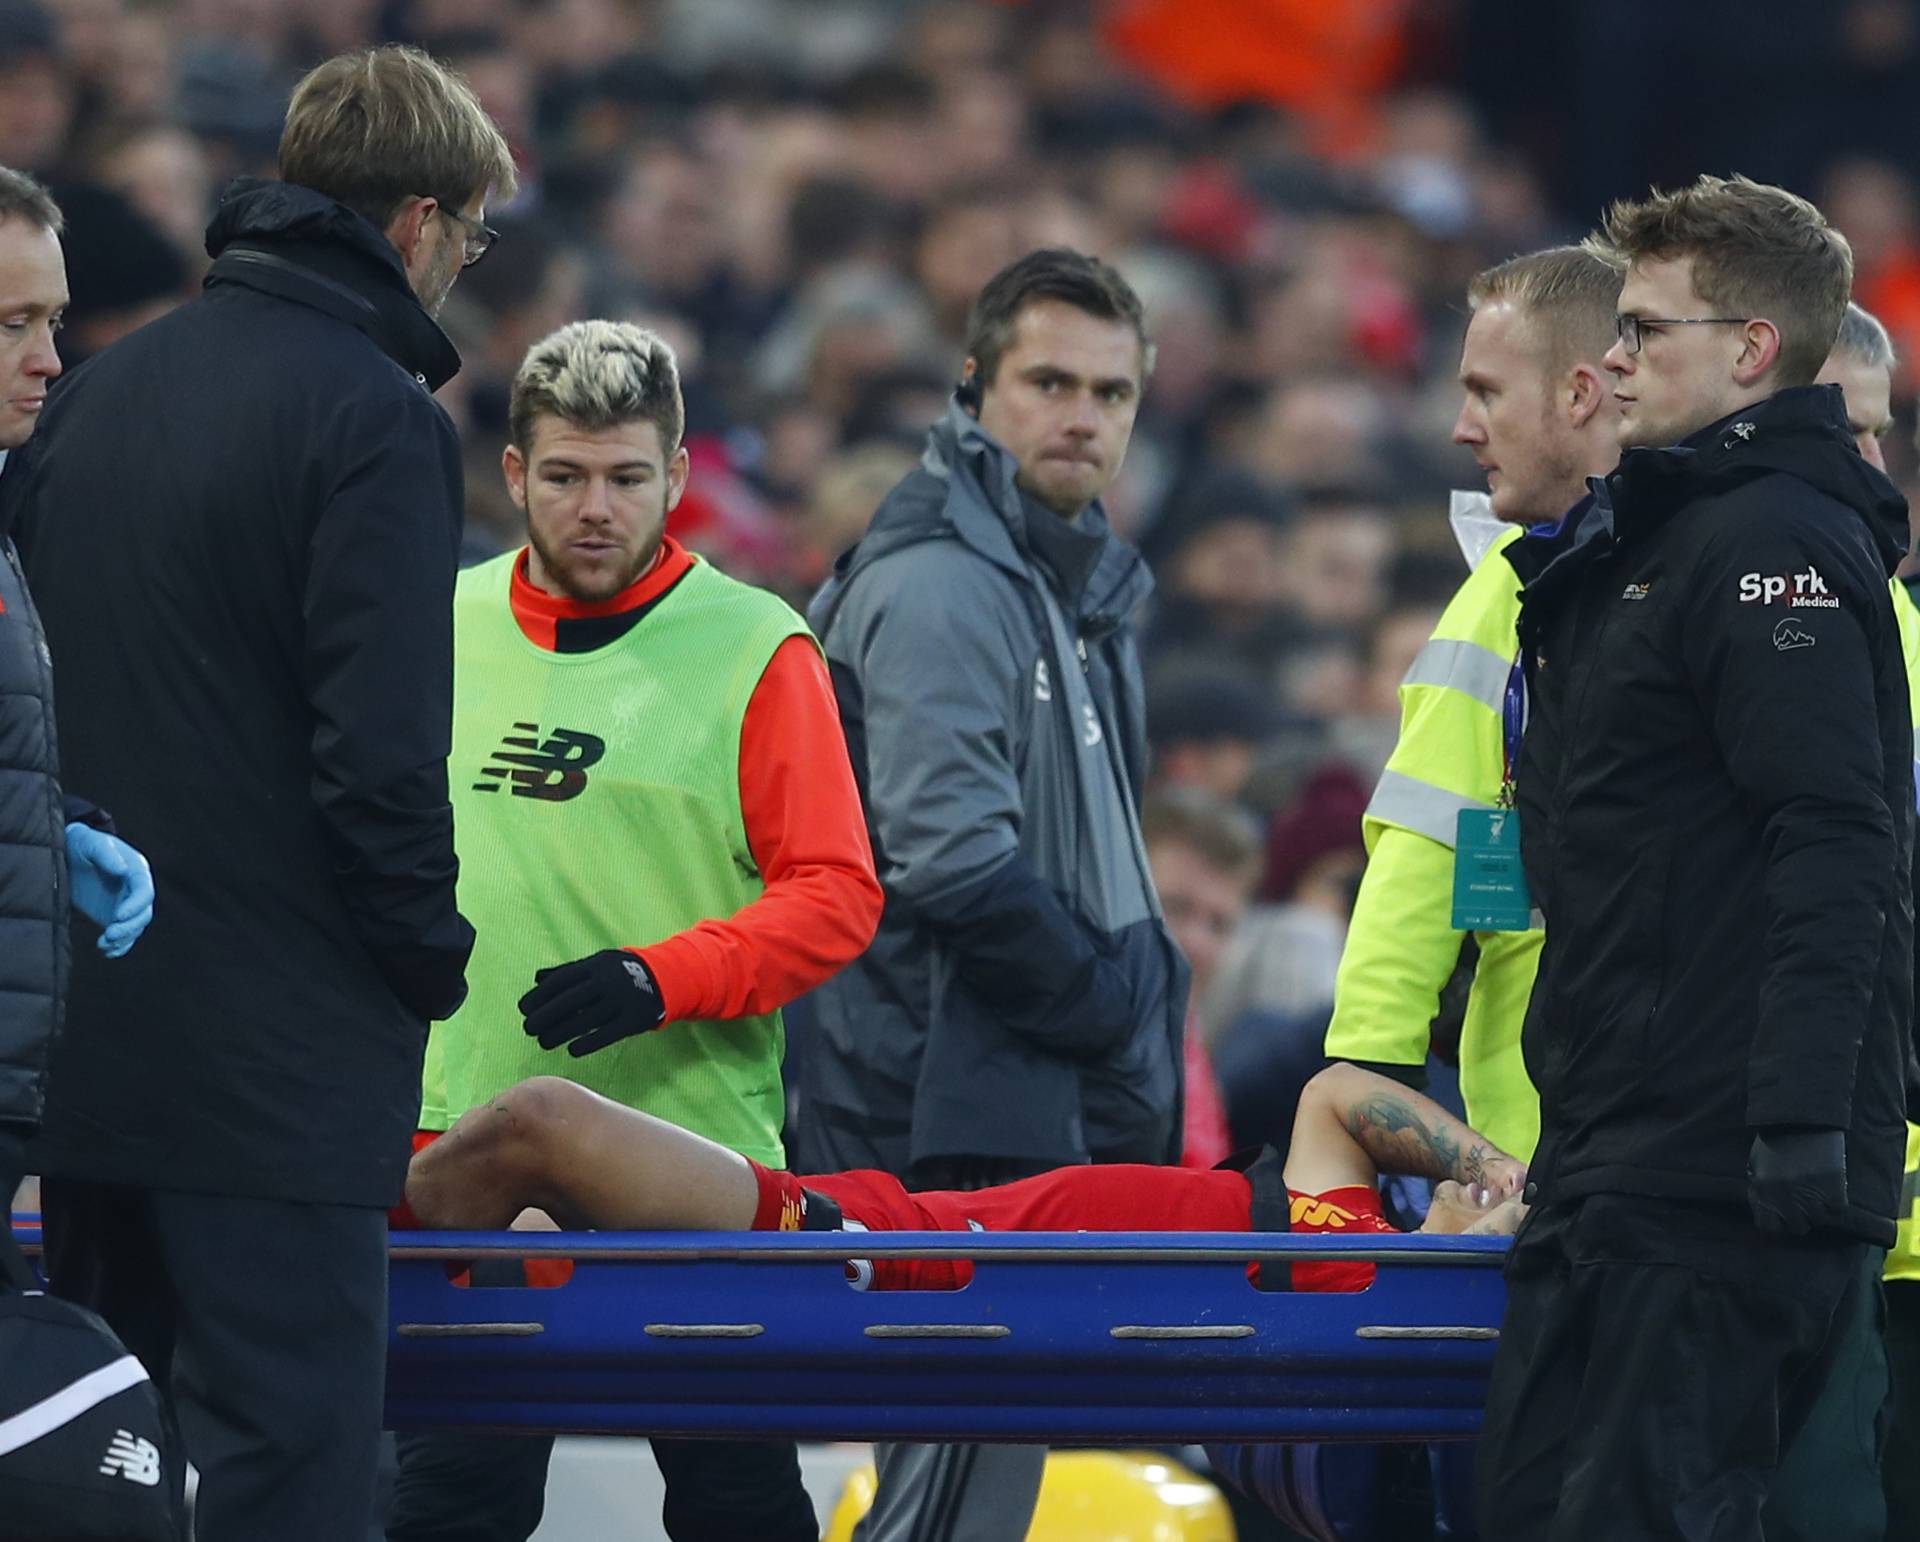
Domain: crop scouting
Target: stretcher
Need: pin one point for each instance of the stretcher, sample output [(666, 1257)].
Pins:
[(1153, 1337), (1059, 1337)]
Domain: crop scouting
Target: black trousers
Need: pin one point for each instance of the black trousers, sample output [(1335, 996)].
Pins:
[(1655, 1359), (1828, 1485), (1901, 1468), (459, 1486), (264, 1322)]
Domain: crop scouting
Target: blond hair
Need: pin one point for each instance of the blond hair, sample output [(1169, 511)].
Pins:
[(1758, 251), (597, 374), (1569, 292), (377, 126)]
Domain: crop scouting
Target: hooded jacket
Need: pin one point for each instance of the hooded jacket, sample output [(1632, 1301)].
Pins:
[(240, 523), (1023, 998), (1716, 795)]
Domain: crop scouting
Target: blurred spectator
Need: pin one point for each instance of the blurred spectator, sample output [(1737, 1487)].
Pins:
[(1205, 857), (1265, 1016), (849, 488), (1875, 205), (1321, 432), (1206, 724), (1364, 735), (1219, 558), (1335, 560), (37, 96), (122, 270), (969, 235), (1285, 955), (164, 172), (1327, 62)]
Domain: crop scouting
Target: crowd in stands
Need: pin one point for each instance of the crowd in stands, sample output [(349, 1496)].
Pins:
[(803, 198)]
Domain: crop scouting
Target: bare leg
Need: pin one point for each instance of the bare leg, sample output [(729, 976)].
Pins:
[(586, 1161)]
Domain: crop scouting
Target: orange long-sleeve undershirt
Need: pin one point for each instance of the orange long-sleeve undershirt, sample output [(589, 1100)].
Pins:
[(821, 901)]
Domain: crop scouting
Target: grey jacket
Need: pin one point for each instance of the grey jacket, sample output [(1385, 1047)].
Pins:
[(1023, 998)]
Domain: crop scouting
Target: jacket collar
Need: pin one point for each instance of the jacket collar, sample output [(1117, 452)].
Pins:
[(300, 245), (1800, 432), (985, 511)]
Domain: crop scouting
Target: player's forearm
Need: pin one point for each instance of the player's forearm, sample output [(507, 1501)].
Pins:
[(1403, 1131)]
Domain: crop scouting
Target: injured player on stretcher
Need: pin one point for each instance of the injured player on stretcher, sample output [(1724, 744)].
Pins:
[(551, 1147)]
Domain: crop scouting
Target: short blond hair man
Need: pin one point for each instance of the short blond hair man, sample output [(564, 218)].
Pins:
[(661, 846), (244, 518)]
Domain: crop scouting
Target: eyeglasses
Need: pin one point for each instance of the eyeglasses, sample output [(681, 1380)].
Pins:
[(1631, 327), (480, 237)]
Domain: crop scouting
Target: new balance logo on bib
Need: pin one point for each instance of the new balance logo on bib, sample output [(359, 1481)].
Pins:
[(553, 768)]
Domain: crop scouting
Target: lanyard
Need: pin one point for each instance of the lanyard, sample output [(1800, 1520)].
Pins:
[(1513, 724)]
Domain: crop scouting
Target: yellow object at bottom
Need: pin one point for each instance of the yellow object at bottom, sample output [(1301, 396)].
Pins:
[(1093, 1496)]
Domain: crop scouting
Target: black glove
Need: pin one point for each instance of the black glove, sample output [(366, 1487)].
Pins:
[(592, 1002), (1796, 1177)]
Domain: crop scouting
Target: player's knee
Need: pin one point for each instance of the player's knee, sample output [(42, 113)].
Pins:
[(532, 1119), (1328, 1080), (506, 1146)]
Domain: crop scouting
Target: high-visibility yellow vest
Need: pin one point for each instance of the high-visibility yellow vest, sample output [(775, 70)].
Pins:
[(1401, 946), (1903, 1263)]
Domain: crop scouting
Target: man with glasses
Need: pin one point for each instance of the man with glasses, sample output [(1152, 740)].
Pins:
[(241, 522), (1715, 801), (480, 235)]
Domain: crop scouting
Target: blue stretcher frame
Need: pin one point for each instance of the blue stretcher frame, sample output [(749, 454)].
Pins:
[(1060, 1337)]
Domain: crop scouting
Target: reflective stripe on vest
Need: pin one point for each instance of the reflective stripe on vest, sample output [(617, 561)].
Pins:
[(1419, 806), (1465, 667)]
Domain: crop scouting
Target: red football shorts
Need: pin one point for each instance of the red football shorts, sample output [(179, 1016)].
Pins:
[(1121, 1197)]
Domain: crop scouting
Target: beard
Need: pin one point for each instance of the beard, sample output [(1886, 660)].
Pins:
[(437, 283), (591, 580)]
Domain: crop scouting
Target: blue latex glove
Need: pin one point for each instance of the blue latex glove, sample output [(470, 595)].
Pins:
[(112, 886)]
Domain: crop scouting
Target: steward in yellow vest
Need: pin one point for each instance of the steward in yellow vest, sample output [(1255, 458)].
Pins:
[(1538, 417)]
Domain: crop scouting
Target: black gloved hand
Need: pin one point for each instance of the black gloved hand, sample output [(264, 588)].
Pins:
[(592, 1002), (1796, 1177)]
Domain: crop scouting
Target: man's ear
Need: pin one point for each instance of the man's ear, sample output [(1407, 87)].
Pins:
[(678, 470), (969, 391), (1759, 352), (407, 229), (513, 466), (1583, 393)]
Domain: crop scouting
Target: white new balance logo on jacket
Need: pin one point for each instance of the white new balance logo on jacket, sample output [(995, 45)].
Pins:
[(136, 1460)]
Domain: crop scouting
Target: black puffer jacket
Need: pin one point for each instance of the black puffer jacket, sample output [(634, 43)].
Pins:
[(240, 523), (1716, 796), (33, 854)]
